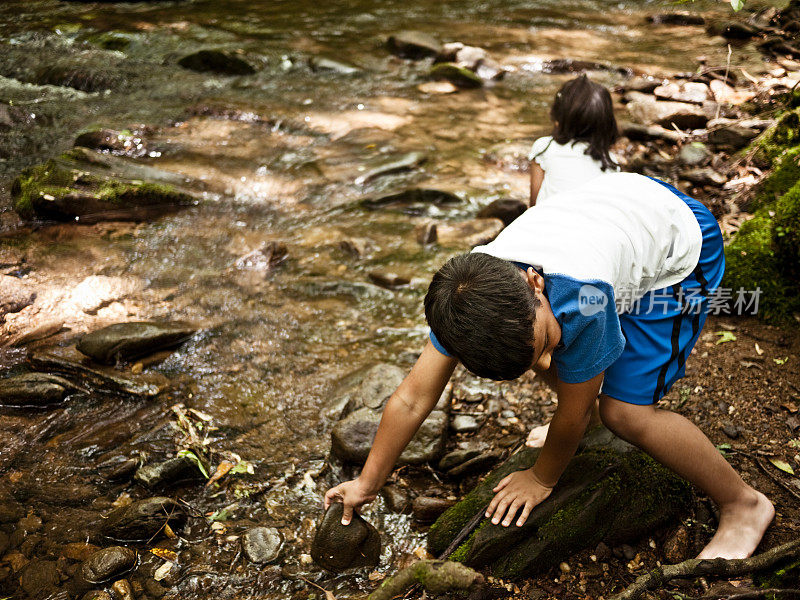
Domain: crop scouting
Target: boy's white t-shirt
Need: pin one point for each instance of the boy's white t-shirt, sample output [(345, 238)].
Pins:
[(566, 166)]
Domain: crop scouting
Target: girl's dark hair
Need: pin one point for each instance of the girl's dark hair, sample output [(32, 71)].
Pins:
[(582, 112)]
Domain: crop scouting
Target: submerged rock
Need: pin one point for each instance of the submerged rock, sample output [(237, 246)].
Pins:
[(221, 62), (337, 547), (83, 77), (394, 164), (39, 578), (123, 143), (262, 544), (505, 209), (571, 65), (96, 379), (609, 492), (413, 44), (87, 187), (412, 197), (676, 18), (426, 509), (108, 563), (352, 437), (143, 520), (124, 341), (388, 279), (34, 389), (455, 74), (510, 156), (332, 65), (468, 233), (370, 387)]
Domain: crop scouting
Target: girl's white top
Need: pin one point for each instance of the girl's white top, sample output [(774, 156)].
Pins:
[(566, 166)]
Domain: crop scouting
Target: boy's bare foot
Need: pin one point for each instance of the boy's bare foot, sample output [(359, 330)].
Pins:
[(537, 436), (741, 527)]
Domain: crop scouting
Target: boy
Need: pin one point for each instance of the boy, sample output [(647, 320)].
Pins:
[(603, 294)]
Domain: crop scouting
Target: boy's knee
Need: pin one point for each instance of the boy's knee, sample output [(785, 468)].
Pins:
[(625, 420)]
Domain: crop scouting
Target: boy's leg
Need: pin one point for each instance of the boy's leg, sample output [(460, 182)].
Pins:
[(678, 444)]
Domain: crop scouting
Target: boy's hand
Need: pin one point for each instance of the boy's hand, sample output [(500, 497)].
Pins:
[(522, 490), (352, 494)]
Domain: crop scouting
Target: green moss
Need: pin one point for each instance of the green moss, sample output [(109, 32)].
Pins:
[(786, 576), (783, 178), (48, 179), (456, 75), (140, 194), (784, 134), (786, 233)]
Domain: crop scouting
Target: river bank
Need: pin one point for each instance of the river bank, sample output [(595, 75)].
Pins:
[(297, 264)]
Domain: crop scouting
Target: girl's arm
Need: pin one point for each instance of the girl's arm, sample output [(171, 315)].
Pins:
[(405, 411), (537, 176)]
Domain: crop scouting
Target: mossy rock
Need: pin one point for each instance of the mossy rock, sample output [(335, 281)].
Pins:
[(458, 76), (65, 189), (220, 62), (111, 40), (786, 234), (782, 135), (609, 492)]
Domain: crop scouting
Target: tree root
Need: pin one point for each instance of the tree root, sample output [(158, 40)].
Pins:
[(436, 576), (716, 566)]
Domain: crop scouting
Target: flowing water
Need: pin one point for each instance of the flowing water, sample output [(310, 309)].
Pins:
[(276, 156)]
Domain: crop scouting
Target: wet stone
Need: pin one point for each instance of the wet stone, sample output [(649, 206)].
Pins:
[(370, 387), (34, 389), (412, 197), (4, 542), (332, 65), (427, 510), (396, 499), (505, 209), (455, 74), (108, 563), (337, 547), (97, 595), (10, 511), (413, 44), (216, 61), (262, 544), (122, 589), (168, 472), (125, 341), (509, 156), (477, 464), (468, 233), (686, 91), (628, 552), (676, 18), (457, 457), (388, 279), (465, 424), (389, 166), (111, 140), (682, 115), (352, 437), (143, 519), (39, 578)]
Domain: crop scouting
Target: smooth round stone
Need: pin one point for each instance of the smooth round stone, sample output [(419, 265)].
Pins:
[(108, 563), (262, 544), (337, 547), (465, 424)]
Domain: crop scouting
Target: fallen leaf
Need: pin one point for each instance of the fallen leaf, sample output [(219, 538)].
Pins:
[(725, 336), (792, 423), (782, 465), (165, 554), (759, 350), (222, 470), (790, 406), (168, 532), (780, 361), (376, 576)]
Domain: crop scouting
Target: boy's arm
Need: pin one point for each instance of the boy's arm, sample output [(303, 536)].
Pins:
[(405, 411), (525, 489), (537, 177)]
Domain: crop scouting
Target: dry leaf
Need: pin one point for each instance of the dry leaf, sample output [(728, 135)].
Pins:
[(759, 350), (790, 406), (376, 576), (168, 532), (165, 554)]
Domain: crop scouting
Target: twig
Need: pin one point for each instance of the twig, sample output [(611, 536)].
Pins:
[(720, 567), (770, 474), (727, 69), (757, 594)]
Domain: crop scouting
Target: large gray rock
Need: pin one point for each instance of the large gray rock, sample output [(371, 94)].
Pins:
[(124, 341), (33, 389), (729, 133), (262, 544), (694, 92), (352, 437), (143, 520), (166, 473), (694, 154), (681, 114), (609, 492), (413, 44), (370, 387), (337, 547), (107, 563)]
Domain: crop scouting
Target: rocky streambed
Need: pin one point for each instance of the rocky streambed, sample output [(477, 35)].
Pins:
[(254, 197)]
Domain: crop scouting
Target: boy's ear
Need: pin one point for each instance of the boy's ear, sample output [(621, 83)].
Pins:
[(535, 281)]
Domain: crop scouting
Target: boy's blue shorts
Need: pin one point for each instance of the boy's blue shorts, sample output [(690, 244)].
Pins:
[(662, 328)]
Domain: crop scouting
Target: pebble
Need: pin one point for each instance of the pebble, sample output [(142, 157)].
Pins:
[(628, 552), (564, 567), (731, 431), (465, 424), (262, 544), (508, 414)]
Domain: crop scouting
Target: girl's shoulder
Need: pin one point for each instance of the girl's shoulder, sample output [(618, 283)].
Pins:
[(540, 146)]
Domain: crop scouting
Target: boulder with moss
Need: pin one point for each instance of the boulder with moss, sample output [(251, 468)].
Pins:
[(610, 492), (782, 135), (84, 186)]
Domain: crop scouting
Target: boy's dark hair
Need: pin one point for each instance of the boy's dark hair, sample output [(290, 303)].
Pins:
[(582, 112), (482, 312)]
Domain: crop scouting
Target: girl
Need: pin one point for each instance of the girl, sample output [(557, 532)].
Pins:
[(584, 129)]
